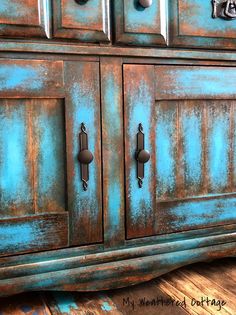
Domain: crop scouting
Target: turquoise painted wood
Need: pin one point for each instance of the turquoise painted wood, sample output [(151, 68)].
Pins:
[(188, 182), (24, 18), (137, 25), (192, 25), (87, 21), (42, 203)]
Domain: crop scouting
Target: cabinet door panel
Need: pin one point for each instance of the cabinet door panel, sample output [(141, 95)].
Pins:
[(138, 26), (42, 202), (87, 22), (25, 18), (190, 133), (192, 24), (83, 105)]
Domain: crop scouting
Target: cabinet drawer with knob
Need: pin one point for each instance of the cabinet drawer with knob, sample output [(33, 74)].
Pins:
[(83, 20), (141, 22), (206, 24)]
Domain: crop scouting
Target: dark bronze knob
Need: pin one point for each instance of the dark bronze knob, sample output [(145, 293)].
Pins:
[(143, 156), (85, 157), (145, 3), (81, 1)]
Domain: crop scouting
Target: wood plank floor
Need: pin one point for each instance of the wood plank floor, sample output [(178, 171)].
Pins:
[(205, 288)]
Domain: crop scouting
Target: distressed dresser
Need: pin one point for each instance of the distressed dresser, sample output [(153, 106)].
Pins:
[(117, 140)]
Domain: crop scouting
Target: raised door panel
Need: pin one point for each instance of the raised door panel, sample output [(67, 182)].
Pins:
[(196, 24), (25, 18), (188, 119), (137, 25), (42, 202), (87, 21)]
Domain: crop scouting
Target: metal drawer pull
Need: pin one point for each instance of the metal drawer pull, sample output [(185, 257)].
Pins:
[(145, 3), (225, 10), (81, 1), (85, 157), (142, 155)]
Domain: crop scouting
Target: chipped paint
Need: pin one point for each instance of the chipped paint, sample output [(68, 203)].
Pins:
[(65, 302)]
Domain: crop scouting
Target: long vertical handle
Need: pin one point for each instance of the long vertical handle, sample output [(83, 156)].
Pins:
[(142, 155), (85, 157)]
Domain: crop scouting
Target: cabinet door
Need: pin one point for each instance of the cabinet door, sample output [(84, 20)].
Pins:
[(41, 195), (87, 21), (193, 24), (137, 25), (25, 18), (188, 115)]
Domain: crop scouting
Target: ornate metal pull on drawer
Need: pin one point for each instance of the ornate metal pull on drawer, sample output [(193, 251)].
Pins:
[(145, 3), (85, 157), (224, 9), (142, 155)]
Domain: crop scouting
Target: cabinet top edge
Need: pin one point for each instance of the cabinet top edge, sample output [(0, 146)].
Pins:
[(117, 51)]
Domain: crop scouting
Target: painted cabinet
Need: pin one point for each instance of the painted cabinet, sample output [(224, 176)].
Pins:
[(42, 107), (188, 124)]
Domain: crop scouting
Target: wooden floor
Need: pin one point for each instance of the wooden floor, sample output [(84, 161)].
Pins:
[(206, 288)]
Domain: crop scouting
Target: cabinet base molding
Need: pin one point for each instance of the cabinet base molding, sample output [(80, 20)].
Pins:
[(113, 269)]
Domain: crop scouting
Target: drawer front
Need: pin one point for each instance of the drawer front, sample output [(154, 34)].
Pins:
[(24, 18), (86, 21), (137, 25), (197, 24), (188, 124)]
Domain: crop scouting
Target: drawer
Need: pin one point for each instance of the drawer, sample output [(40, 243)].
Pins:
[(25, 18), (137, 25), (199, 23), (87, 21)]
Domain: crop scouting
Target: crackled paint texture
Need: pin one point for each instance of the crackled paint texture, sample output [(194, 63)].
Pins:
[(204, 212), (115, 129), (140, 20), (192, 146), (14, 175), (86, 16), (210, 82), (165, 149), (218, 147), (20, 11), (51, 169), (195, 18)]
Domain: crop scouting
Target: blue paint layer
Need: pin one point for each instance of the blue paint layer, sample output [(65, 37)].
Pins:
[(192, 147), (115, 129), (218, 144), (197, 18), (209, 82), (138, 19), (25, 77), (203, 212), (106, 307), (14, 178), (65, 302), (15, 236), (26, 308), (86, 14), (165, 150)]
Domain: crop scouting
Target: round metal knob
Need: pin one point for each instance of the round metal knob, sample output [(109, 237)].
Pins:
[(143, 156), (145, 3), (85, 157)]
